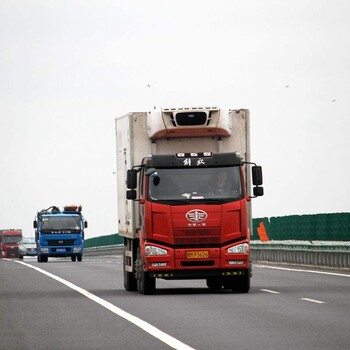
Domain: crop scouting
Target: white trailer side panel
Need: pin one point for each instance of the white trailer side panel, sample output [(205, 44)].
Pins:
[(132, 145)]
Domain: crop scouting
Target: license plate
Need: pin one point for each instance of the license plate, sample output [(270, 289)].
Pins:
[(200, 254), (61, 250)]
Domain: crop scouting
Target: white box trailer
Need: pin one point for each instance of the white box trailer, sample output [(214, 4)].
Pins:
[(169, 132)]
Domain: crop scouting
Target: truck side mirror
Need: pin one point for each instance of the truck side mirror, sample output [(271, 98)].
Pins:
[(85, 224), (257, 175), (258, 191), (35, 224), (131, 194), (131, 179)]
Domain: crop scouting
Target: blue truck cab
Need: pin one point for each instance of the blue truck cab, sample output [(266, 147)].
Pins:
[(60, 233)]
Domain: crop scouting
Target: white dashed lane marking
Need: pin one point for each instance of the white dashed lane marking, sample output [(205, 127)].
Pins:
[(313, 300)]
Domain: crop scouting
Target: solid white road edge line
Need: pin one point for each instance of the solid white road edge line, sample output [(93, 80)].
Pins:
[(302, 270), (155, 332)]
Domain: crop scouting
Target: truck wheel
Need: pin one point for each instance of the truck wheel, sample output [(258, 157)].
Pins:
[(214, 283), (44, 258), (80, 257), (242, 283), (39, 258), (130, 284), (73, 258), (21, 257), (145, 283)]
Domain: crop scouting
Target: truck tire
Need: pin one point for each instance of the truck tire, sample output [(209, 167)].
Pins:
[(145, 283), (242, 283), (73, 258), (214, 283), (39, 258), (79, 257), (130, 283)]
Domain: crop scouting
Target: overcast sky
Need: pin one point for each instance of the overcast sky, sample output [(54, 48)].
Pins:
[(69, 67)]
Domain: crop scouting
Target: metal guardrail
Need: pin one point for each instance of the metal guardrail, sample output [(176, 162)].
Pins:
[(320, 254), (104, 250), (316, 253)]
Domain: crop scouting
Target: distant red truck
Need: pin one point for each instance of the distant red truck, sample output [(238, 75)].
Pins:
[(9, 242)]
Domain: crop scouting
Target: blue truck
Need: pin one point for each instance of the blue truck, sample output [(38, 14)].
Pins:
[(60, 233)]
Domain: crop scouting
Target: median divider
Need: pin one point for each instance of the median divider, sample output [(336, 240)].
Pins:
[(312, 253), (321, 254), (104, 250)]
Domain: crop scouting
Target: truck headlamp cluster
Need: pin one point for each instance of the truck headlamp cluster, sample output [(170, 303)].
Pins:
[(151, 250), (240, 248)]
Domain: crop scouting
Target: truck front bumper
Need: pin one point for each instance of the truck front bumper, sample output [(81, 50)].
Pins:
[(201, 262), (198, 274), (60, 251)]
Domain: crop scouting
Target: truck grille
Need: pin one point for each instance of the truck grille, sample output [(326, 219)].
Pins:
[(198, 263), (12, 251), (61, 242), (196, 236)]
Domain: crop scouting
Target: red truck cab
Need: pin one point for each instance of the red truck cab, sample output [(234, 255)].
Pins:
[(193, 219), (9, 242)]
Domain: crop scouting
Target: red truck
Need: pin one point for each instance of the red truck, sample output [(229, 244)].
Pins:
[(184, 196), (9, 242)]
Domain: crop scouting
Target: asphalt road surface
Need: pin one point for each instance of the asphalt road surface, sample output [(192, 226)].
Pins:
[(83, 305)]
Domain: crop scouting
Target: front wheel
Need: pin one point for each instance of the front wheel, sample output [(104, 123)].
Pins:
[(242, 284), (214, 283), (145, 283), (73, 258)]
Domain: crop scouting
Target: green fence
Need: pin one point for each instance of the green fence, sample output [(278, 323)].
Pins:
[(103, 241), (317, 227)]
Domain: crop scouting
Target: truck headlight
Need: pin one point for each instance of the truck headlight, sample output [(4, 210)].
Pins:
[(45, 250), (152, 250), (240, 248), (76, 249)]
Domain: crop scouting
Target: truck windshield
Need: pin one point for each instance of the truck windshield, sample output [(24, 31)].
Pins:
[(11, 239), (60, 224), (28, 240), (219, 183)]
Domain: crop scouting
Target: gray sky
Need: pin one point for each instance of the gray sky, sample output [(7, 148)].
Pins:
[(69, 67)]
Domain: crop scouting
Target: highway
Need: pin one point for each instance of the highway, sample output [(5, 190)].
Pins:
[(83, 305)]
